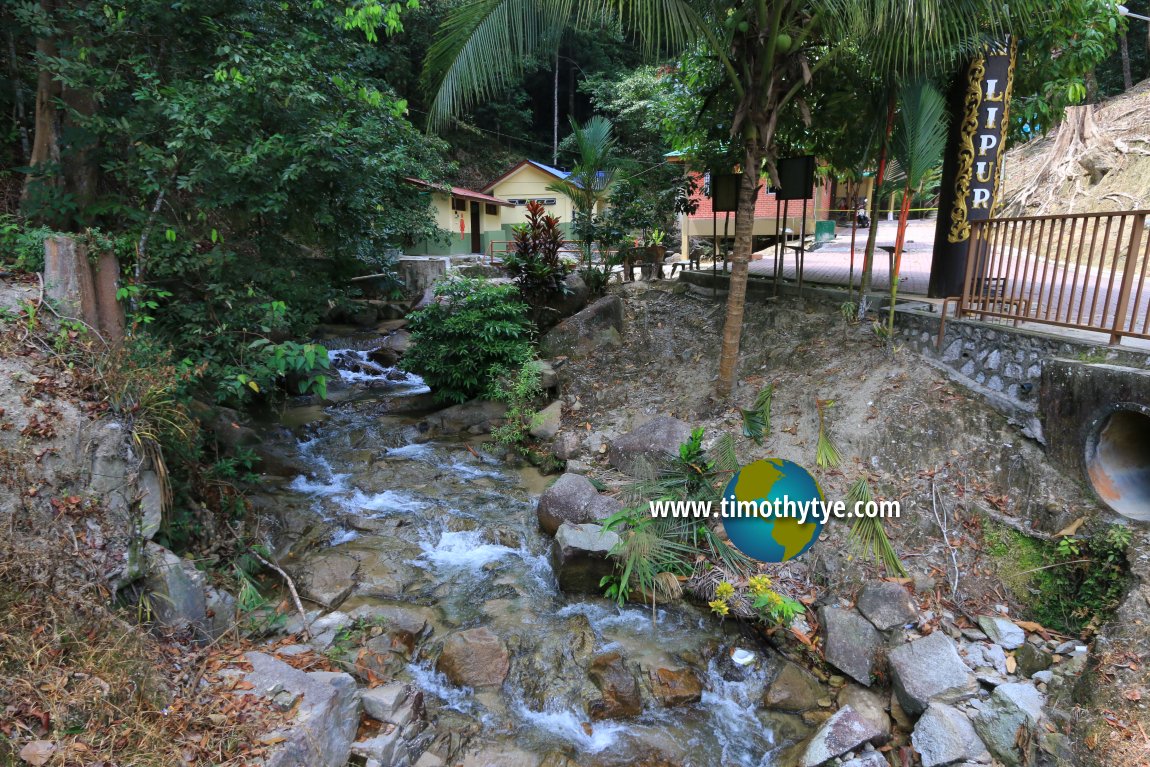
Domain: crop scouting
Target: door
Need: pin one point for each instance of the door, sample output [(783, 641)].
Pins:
[(476, 239)]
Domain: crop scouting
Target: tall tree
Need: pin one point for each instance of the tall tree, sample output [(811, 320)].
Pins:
[(768, 51)]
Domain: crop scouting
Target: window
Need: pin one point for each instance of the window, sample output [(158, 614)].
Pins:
[(458, 203), (491, 209), (518, 201), (545, 200)]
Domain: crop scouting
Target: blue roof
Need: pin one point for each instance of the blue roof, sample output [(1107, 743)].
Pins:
[(548, 169)]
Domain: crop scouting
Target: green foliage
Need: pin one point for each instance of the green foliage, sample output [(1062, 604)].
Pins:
[(534, 260), (269, 366), (867, 536), (1073, 585), (654, 551), (757, 419), (1057, 59), (521, 392), (589, 182), (22, 245), (461, 341)]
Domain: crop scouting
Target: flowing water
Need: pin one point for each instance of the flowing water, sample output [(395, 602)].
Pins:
[(447, 528)]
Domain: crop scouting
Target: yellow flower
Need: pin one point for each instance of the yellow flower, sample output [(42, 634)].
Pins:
[(759, 584), (719, 607), (724, 591)]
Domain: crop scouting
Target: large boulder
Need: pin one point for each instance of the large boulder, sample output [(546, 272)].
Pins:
[(654, 443), (619, 688), (547, 421), (474, 658), (572, 498), (943, 735), (851, 643), (572, 299), (581, 335), (1013, 707), (327, 707), (474, 417), (794, 690), (886, 605), (580, 557), (843, 732), (930, 669)]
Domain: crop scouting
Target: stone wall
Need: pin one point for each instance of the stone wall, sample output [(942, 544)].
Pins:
[(1002, 360)]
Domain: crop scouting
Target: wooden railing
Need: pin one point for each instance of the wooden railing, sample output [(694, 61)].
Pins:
[(1086, 271)]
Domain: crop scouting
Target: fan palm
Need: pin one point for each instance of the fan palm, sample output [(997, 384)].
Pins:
[(768, 50)]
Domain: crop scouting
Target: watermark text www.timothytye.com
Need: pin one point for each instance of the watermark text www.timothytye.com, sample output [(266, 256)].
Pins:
[(779, 508)]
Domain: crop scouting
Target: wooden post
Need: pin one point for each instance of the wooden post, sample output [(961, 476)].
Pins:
[(1128, 271), (81, 290)]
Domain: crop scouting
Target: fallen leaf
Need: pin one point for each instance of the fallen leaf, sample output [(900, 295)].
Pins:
[(38, 752), (1132, 695), (1071, 529), (1011, 664)]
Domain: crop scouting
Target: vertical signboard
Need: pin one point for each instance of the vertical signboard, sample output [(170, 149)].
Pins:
[(980, 105)]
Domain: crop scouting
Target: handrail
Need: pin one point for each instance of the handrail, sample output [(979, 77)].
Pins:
[(1087, 271)]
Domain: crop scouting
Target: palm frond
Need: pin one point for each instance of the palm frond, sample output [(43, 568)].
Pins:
[(826, 452), (867, 536), (757, 419), (724, 455), (920, 135)]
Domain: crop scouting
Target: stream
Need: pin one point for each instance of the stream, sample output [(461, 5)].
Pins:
[(446, 529)]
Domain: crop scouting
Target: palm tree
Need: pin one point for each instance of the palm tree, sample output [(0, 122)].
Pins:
[(768, 50), (588, 184), (916, 148)]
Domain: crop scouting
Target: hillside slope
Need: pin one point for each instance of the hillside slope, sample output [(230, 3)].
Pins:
[(1098, 159)]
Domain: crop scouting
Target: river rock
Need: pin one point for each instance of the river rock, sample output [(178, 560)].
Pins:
[(1031, 659), (676, 686), (581, 335), (474, 658), (1012, 706), (474, 417), (567, 446), (547, 421), (869, 759), (394, 703), (929, 669), (654, 443), (572, 498), (580, 557), (327, 577), (386, 748), (617, 683), (411, 619), (943, 735), (1002, 631), (327, 712), (843, 732), (851, 643), (555, 666), (398, 342), (886, 605), (871, 706), (794, 690), (178, 591)]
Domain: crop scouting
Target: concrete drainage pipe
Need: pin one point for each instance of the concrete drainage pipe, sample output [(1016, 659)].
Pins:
[(1118, 460)]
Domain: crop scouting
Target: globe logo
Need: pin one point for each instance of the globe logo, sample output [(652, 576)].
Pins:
[(762, 535)]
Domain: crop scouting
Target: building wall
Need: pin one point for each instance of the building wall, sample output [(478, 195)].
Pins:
[(448, 220), (531, 183)]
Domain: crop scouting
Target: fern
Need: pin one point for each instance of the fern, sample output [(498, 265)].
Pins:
[(867, 536)]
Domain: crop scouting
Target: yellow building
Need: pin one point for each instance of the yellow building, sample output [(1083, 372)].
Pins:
[(529, 181), (472, 220)]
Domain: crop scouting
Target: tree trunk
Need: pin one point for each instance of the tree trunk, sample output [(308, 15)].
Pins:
[(872, 235), (555, 113), (737, 296), (44, 177), (899, 239), (1124, 51), (18, 100)]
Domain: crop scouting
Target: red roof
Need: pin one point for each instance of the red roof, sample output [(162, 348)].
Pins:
[(458, 191)]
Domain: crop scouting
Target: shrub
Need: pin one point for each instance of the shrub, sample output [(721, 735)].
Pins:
[(472, 331), (534, 260)]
